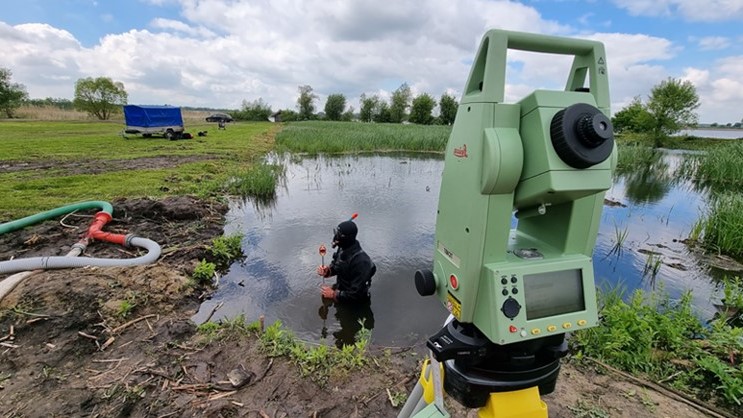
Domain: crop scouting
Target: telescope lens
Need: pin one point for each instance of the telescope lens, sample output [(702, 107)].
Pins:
[(581, 135), (593, 129)]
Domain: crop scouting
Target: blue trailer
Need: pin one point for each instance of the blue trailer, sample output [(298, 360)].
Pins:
[(154, 120)]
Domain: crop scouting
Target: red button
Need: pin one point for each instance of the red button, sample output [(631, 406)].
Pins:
[(512, 328), (453, 281)]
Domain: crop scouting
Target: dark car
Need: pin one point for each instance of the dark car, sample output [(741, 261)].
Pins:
[(219, 117)]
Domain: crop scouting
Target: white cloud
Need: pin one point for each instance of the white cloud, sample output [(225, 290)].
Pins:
[(693, 10), (217, 53), (711, 43), (720, 90)]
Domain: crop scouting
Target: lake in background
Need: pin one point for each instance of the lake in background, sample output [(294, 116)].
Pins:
[(715, 133), (396, 197)]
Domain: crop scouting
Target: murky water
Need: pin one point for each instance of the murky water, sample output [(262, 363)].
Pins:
[(396, 198)]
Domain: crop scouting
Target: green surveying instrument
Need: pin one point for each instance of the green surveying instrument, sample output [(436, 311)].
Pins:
[(513, 293)]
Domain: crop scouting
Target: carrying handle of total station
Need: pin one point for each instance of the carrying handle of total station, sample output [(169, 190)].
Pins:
[(487, 79)]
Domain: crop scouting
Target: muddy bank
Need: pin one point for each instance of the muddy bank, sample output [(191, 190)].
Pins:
[(113, 342)]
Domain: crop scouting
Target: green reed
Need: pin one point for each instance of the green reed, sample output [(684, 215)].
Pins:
[(316, 137)]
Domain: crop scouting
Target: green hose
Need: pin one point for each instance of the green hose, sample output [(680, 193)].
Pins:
[(64, 210)]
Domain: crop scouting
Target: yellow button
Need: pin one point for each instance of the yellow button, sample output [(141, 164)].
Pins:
[(567, 325), (582, 322), (536, 331), (551, 328)]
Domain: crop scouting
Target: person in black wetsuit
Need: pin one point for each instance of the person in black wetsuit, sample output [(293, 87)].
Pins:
[(354, 270)]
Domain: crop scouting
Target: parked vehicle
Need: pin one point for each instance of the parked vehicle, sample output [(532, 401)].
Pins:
[(219, 117), (154, 120)]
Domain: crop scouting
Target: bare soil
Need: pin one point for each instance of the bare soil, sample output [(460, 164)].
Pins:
[(69, 350)]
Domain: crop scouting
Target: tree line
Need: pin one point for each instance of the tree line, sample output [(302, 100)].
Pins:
[(102, 97), (402, 107), (669, 108)]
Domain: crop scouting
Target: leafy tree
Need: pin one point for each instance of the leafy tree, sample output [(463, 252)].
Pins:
[(288, 115), (100, 96), (306, 103), (382, 112), (420, 112), (400, 102), (672, 104), (257, 110), (12, 95), (334, 106), (348, 115), (448, 106), (368, 105), (633, 118)]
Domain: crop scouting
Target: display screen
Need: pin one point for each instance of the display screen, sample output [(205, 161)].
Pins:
[(553, 293)]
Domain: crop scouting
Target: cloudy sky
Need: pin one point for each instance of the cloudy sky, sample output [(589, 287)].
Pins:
[(217, 53)]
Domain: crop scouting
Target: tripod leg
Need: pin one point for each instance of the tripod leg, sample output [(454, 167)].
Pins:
[(415, 397), (524, 403)]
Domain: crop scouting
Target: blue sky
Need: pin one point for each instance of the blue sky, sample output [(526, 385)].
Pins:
[(218, 53)]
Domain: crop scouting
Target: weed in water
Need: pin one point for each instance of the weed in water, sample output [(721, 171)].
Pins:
[(652, 266), (620, 235), (722, 225), (227, 249), (203, 273), (258, 181)]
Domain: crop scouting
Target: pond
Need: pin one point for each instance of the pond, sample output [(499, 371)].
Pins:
[(396, 196)]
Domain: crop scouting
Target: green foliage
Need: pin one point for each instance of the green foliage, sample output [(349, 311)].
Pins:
[(399, 103), (723, 225), (12, 95), (448, 106), (59, 103), (316, 362), (203, 273), (227, 249), (334, 106), (732, 293), (663, 338), (258, 180), (338, 137), (125, 308), (226, 330), (368, 106), (306, 103), (382, 113), (100, 97), (720, 167), (420, 112), (257, 111), (672, 105), (633, 118)]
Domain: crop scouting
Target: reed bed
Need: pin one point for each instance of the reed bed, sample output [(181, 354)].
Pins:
[(722, 227), (50, 113), (346, 137), (720, 167)]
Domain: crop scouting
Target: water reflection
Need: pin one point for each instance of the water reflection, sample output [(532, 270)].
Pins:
[(396, 197)]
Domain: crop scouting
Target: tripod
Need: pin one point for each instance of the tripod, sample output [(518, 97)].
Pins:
[(504, 381)]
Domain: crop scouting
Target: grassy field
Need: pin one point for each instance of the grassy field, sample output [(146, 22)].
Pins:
[(92, 161)]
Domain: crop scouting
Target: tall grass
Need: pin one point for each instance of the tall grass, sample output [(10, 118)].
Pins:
[(722, 226), (634, 157), (50, 113), (720, 168), (342, 137)]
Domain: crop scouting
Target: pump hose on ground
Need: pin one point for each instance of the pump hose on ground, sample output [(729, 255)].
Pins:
[(28, 265)]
